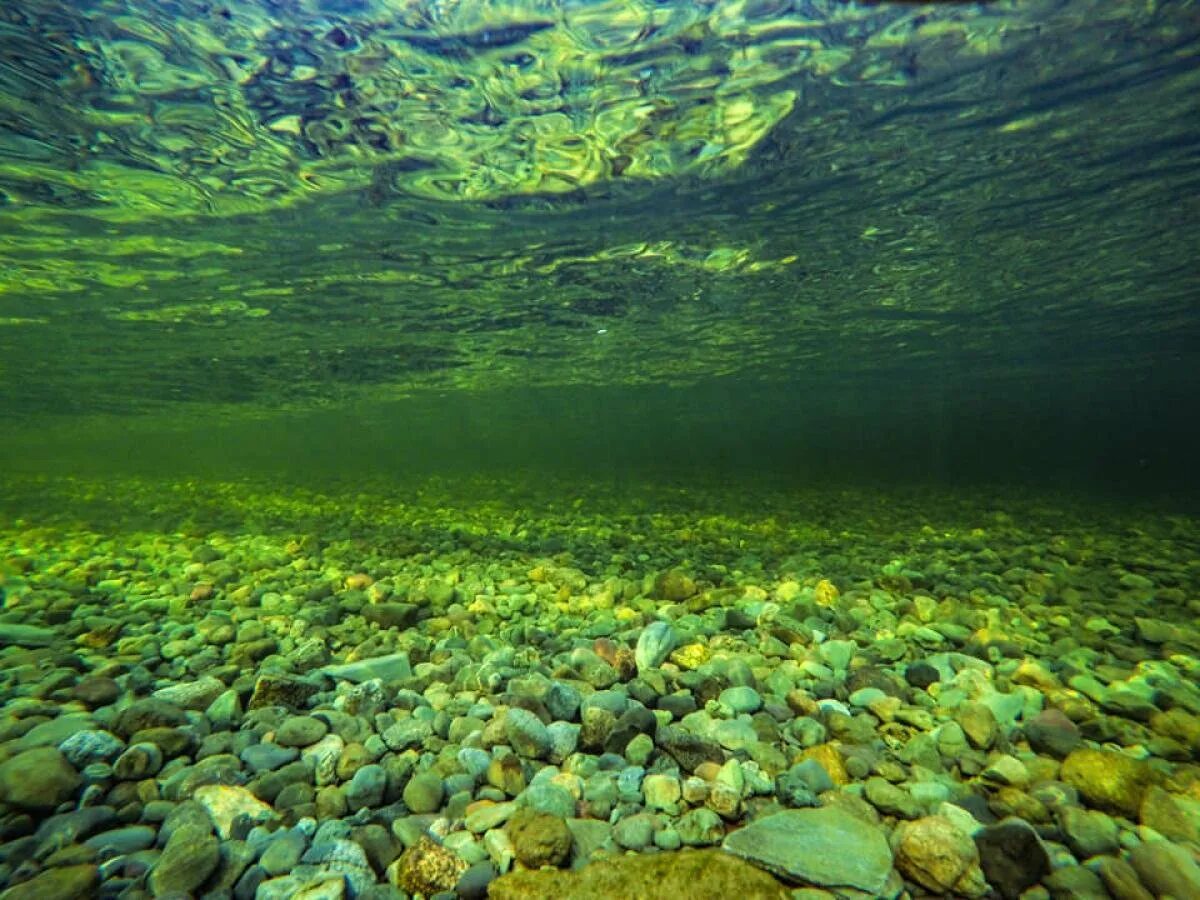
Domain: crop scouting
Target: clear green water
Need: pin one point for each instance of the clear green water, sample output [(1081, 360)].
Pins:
[(769, 234)]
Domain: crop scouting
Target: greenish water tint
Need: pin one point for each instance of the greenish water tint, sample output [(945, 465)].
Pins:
[(952, 238)]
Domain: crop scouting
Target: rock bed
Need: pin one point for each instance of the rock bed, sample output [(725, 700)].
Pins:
[(804, 693)]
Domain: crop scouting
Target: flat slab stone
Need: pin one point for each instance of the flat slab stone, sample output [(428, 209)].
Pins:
[(393, 667), (25, 635), (827, 847)]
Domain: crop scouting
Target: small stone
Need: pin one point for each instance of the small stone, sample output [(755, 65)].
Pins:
[(190, 856), (426, 868), (634, 832), (300, 731), (979, 724), (410, 732), (191, 694), (424, 793), (366, 787), (1121, 878), (38, 780), (284, 852), (1160, 812), (1012, 856), (662, 793), (1088, 832), (281, 690), (934, 853), (700, 828), (268, 757), (1052, 733), (741, 699), (538, 838), (86, 747), (225, 804), (1167, 870), (60, 883), (526, 733), (890, 799), (654, 645), (1075, 883), (1109, 780)]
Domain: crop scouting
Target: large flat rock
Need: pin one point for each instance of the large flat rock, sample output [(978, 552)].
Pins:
[(826, 847)]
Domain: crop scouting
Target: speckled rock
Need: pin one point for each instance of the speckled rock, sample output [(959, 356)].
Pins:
[(934, 853), (694, 874), (426, 868)]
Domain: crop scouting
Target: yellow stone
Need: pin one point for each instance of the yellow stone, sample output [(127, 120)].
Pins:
[(690, 656), (825, 593), (831, 761)]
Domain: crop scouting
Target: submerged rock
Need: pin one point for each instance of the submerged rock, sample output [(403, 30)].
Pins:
[(694, 874), (809, 846)]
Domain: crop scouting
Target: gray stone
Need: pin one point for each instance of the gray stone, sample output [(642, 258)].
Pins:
[(741, 699), (129, 839), (191, 694), (526, 733), (809, 846), (654, 645), (424, 793), (634, 832), (190, 856), (283, 853), (25, 635), (1088, 832), (393, 667), (700, 828), (268, 757), (410, 732), (86, 747), (300, 731), (366, 787)]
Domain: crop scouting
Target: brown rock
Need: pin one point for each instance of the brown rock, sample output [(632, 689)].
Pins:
[(1121, 879), (426, 868), (1109, 780), (281, 690), (62, 883), (694, 874), (538, 838), (38, 779), (934, 853), (1160, 812)]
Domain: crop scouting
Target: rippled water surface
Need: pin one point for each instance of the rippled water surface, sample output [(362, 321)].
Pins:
[(982, 218)]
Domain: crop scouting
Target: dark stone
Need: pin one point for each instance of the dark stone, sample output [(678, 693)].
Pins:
[(96, 691), (1012, 856), (634, 721), (689, 750), (148, 713), (921, 674), (391, 615), (281, 690)]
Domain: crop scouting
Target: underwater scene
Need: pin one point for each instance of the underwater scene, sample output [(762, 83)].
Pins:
[(572, 449)]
